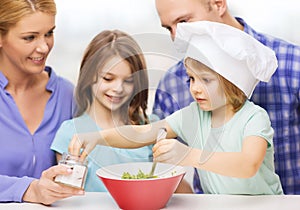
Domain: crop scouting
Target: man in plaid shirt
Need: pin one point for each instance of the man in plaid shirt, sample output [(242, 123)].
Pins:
[(280, 96)]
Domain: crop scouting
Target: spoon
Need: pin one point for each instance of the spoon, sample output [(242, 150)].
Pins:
[(162, 134)]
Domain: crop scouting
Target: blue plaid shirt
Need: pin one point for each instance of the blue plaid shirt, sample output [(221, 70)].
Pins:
[(280, 97)]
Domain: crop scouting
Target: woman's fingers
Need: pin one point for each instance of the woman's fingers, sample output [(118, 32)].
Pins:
[(53, 171)]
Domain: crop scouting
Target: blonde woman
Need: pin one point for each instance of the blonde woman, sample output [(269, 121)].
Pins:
[(34, 101)]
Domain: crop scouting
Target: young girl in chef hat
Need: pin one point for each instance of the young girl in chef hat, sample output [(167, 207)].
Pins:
[(229, 139)]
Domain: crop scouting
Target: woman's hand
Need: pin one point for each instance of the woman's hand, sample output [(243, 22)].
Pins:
[(46, 191), (172, 151)]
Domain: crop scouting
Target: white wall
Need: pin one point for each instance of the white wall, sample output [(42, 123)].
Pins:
[(275, 17), (79, 21)]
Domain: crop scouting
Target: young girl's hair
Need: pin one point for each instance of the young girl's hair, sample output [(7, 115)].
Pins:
[(233, 94), (105, 46), (11, 12)]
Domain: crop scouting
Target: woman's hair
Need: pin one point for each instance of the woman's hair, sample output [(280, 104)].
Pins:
[(12, 11), (233, 94), (104, 47)]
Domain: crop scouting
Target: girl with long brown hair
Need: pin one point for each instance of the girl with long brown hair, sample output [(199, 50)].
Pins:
[(112, 90)]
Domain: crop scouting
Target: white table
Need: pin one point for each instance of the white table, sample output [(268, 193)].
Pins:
[(99, 201)]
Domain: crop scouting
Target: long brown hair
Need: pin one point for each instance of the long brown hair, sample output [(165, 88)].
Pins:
[(12, 11), (105, 46)]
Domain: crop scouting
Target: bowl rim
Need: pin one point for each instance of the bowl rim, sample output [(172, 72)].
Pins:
[(180, 170)]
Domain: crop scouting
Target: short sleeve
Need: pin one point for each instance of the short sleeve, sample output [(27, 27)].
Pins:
[(190, 124), (260, 125)]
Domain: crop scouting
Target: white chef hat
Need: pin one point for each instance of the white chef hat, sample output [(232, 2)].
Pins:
[(230, 52)]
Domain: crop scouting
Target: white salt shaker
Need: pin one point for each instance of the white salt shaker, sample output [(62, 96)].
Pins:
[(79, 171)]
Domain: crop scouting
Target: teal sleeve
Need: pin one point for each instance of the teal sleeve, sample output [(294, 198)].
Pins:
[(153, 118), (260, 125), (188, 124), (174, 120), (63, 137)]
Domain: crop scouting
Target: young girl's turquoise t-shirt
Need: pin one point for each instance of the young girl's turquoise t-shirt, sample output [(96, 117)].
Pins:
[(193, 125), (101, 155)]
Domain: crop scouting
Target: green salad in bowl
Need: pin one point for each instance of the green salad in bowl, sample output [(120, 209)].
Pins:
[(139, 175)]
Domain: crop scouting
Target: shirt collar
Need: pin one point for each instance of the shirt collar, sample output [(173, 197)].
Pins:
[(247, 28), (50, 86), (52, 78), (3, 80)]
